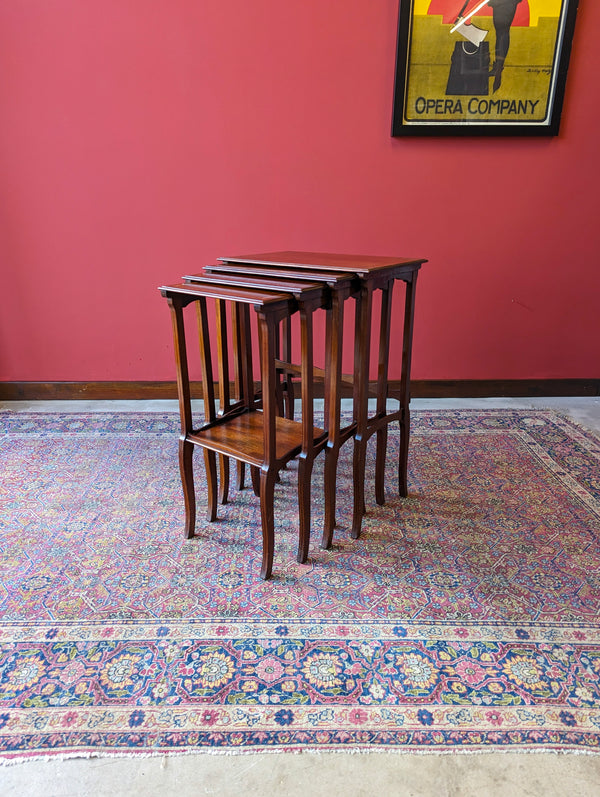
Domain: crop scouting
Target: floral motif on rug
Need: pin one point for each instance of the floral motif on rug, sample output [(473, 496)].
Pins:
[(465, 617)]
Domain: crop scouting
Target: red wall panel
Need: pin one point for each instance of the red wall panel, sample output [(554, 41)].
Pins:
[(140, 139)]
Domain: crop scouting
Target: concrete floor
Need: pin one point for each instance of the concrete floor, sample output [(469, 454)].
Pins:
[(487, 774)]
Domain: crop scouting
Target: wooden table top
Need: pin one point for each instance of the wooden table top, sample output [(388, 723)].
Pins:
[(363, 265), (334, 279), (265, 283), (216, 290)]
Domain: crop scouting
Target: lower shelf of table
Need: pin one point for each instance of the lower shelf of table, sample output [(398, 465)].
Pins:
[(242, 438)]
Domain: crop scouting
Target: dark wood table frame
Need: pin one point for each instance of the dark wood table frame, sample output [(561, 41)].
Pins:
[(262, 439), (340, 286), (373, 273)]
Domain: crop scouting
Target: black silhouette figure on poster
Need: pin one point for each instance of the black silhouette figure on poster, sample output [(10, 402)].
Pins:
[(503, 14), (470, 66)]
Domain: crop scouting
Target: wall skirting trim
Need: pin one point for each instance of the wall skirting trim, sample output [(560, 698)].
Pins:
[(420, 388)]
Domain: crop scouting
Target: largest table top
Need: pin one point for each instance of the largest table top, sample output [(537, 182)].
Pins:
[(362, 265)]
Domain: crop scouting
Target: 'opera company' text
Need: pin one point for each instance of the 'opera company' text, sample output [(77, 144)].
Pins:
[(479, 106)]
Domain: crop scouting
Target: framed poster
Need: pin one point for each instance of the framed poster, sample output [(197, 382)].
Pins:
[(482, 67)]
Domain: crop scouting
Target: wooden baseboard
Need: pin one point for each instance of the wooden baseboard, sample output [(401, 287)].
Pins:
[(427, 388), (504, 388)]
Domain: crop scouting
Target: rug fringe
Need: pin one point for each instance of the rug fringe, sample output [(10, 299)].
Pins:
[(312, 751)]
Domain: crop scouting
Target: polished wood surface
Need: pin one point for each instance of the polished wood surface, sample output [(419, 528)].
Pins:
[(362, 265), (213, 290), (242, 438), (260, 282), (239, 428), (278, 284), (279, 272), (341, 285), (374, 273), (304, 291), (419, 388)]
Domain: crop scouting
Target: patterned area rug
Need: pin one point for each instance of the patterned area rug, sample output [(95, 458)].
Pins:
[(465, 617)]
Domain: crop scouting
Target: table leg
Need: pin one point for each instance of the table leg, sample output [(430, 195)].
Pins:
[(409, 308), (382, 390), (255, 480), (268, 471), (242, 360), (210, 459), (333, 380), (286, 356), (186, 470), (210, 464), (186, 448), (362, 338), (224, 396), (307, 455), (267, 498)]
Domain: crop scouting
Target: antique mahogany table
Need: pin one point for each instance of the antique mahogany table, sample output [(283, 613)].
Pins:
[(247, 430), (370, 274), (339, 286)]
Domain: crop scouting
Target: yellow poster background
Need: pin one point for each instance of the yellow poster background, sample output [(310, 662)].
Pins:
[(527, 79)]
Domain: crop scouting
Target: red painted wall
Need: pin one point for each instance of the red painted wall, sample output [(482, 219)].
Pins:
[(143, 138)]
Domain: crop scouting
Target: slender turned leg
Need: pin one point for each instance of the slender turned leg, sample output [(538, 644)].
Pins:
[(284, 386), (409, 309), (279, 383), (210, 458), (210, 463), (268, 469), (224, 395), (290, 397), (287, 357), (382, 435), (248, 384), (403, 460), (382, 391), (330, 330), (186, 468), (305, 466), (361, 394), (267, 490), (333, 379), (330, 475), (241, 475), (240, 331), (277, 395), (224, 481), (186, 448), (255, 476)]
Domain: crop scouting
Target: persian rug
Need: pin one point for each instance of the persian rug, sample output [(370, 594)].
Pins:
[(466, 617)]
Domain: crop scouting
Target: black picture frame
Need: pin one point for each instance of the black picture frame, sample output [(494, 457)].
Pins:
[(446, 80)]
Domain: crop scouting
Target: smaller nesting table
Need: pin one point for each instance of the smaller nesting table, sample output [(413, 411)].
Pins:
[(243, 430), (339, 286)]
